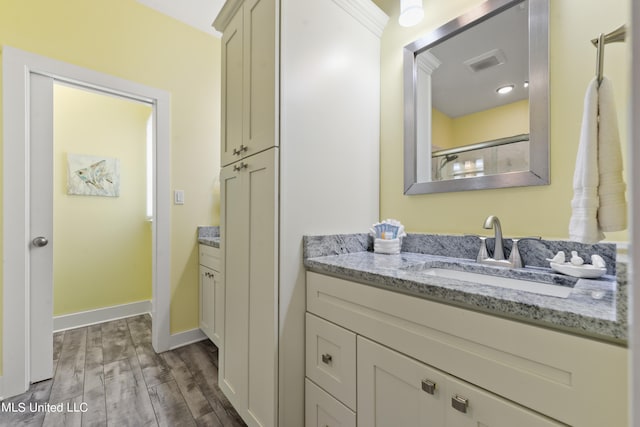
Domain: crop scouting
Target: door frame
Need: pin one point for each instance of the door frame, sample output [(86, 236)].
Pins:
[(18, 66)]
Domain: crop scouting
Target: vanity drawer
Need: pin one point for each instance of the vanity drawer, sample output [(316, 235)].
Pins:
[(209, 257), (323, 410), (331, 358)]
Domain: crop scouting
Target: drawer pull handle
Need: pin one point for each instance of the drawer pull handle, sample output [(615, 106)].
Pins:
[(429, 386), (327, 359), (459, 403)]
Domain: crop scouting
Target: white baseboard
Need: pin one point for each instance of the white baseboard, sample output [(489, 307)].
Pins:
[(187, 337), (91, 317)]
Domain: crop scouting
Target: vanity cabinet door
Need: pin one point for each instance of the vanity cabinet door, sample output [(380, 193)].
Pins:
[(470, 406), (322, 410), (211, 293), (396, 391), (207, 301)]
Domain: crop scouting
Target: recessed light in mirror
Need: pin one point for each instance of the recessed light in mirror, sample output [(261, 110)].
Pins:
[(526, 85), (504, 89)]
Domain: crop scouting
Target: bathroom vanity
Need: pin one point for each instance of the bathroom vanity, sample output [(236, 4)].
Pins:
[(388, 345), (210, 285)]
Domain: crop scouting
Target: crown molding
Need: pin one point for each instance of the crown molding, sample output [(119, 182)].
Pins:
[(226, 13), (365, 11)]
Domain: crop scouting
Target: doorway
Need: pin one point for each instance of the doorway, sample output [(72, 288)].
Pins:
[(101, 221), (27, 102)]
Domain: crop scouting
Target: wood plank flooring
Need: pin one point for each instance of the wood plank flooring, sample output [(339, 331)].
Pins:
[(109, 375)]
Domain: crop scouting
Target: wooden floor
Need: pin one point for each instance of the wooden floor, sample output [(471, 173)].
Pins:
[(111, 371)]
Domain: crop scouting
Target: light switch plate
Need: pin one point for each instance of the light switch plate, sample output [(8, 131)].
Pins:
[(178, 197)]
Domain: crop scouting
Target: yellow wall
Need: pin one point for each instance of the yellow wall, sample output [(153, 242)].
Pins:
[(506, 120), (128, 40), (542, 210), (499, 122), (102, 253), (441, 130)]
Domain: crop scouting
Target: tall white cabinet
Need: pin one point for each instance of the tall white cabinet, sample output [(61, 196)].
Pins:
[(300, 155)]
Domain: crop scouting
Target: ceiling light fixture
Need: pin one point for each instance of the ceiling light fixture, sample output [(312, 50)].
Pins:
[(411, 12), (505, 89)]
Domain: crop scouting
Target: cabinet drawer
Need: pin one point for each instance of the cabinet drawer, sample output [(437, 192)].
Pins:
[(210, 257), (331, 359), (322, 410)]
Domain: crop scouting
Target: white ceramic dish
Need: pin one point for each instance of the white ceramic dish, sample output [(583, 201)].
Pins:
[(584, 271)]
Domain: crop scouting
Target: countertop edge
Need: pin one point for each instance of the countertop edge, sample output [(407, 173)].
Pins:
[(564, 321)]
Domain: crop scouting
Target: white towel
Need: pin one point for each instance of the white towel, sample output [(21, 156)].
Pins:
[(598, 202), (612, 213)]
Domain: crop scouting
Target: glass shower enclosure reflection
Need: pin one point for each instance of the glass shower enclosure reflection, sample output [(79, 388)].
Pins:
[(486, 158)]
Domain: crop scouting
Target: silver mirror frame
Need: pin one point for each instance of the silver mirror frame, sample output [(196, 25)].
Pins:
[(538, 173)]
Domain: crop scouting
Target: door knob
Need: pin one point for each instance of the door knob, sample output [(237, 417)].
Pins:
[(40, 241)]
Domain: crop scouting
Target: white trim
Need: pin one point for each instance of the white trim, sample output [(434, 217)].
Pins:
[(367, 13), (185, 338), (633, 177), (17, 67), (100, 315)]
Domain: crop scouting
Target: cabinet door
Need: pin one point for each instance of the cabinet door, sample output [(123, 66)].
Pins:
[(217, 332), (260, 59), (470, 406), (396, 391), (248, 370), (261, 185), (234, 242), (207, 301), (232, 91), (322, 410)]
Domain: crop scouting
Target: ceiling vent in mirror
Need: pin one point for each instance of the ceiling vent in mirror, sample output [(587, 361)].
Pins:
[(487, 60)]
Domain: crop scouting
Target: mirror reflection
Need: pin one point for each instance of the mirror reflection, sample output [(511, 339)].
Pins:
[(472, 95), (477, 82)]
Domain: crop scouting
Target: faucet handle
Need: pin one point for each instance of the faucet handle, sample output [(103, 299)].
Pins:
[(483, 253), (514, 257)]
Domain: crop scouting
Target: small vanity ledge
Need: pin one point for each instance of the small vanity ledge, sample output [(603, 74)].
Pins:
[(209, 235)]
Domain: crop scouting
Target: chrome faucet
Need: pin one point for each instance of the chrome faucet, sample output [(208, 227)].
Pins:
[(514, 261), (492, 221)]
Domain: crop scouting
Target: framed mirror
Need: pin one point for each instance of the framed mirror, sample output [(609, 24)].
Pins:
[(476, 101)]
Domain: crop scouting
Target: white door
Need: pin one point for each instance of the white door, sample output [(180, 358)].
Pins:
[(41, 228)]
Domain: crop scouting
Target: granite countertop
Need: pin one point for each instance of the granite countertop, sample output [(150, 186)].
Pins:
[(209, 235), (594, 308)]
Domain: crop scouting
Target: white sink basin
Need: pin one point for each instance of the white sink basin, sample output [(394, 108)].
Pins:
[(501, 282)]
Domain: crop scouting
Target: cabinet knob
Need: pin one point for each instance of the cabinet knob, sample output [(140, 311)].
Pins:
[(327, 359), (243, 148), (429, 386), (236, 152), (459, 403)]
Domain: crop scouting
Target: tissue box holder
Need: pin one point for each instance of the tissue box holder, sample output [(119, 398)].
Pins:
[(391, 246)]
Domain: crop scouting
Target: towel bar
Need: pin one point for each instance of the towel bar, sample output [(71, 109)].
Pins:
[(617, 35)]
